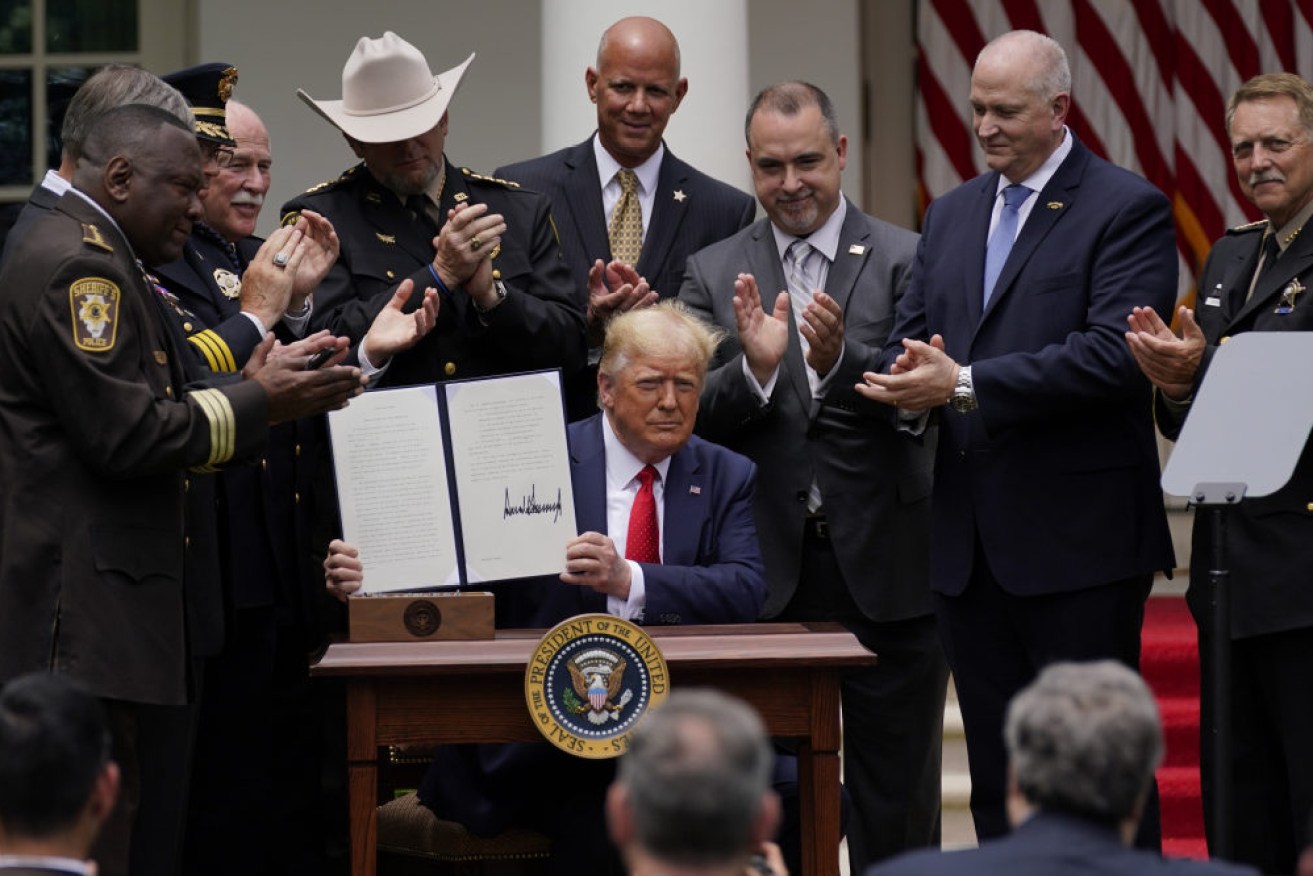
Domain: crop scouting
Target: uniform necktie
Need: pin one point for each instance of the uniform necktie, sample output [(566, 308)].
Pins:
[(1270, 252), (425, 212), (642, 545), (1000, 242), (626, 228)]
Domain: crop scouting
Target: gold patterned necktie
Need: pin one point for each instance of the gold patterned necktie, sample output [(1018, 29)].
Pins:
[(626, 228)]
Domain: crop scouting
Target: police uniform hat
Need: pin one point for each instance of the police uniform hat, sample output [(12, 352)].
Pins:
[(207, 88), (388, 92)]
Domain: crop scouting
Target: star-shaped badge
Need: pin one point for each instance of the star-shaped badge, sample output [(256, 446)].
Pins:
[(680, 196)]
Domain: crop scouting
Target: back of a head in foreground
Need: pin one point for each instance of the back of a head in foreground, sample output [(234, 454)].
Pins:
[(697, 775), (1085, 739), (53, 746)]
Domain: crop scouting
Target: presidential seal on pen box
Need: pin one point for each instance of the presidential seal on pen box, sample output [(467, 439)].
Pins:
[(589, 682), (420, 617)]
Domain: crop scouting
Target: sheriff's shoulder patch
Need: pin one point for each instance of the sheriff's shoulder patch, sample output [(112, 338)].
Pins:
[(507, 183), (590, 681), (94, 302), (91, 236)]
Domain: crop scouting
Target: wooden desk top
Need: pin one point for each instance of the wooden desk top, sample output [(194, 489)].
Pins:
[(766, 645)]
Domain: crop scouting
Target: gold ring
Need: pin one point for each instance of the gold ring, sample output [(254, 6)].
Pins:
[(475, 243)]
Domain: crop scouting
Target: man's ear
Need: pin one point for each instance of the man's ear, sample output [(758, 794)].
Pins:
[(117, 177), (605, 391), (354, 144), (590, 82), (767, 820), (103, 793), (619, 820)]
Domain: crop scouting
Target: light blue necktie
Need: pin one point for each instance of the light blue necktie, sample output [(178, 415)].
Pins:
[(1000, 243)]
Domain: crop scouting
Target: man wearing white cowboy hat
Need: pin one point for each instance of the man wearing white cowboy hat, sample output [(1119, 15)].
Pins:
[(506, 301)]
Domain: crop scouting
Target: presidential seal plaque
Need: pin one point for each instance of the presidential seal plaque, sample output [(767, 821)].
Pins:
[(589, 682)]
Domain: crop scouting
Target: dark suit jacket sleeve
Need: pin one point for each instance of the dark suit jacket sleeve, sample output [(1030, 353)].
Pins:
[(1134, 264), (727, 583), (728, 403)]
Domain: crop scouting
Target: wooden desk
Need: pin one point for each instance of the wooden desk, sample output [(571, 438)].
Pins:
[(445, 692)]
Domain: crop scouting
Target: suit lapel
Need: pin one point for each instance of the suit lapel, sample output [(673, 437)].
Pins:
[(583, 196), (848, 262), (764, 264), (389, 220), (1050, 204), (686, 508), (667, 216), (588, 471), (976, 230), (1293, 262)]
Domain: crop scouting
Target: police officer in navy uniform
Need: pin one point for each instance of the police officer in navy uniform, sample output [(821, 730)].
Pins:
[(506, 301)]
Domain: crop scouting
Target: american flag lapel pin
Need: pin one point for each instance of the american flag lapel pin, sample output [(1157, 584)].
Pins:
[(694, 489)]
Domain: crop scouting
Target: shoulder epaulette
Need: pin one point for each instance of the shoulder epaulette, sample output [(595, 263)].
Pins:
[(329, 183), (507, 183), (1247, 227), (92, 237)]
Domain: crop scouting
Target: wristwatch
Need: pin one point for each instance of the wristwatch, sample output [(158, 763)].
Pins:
[(500, 289), (963, 398)]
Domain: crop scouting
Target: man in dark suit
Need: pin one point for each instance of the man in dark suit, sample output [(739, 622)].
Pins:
[(637, 88), (1048, 521), (843, 517), (406, 212), (57, 780), (1254, 281), (707, 569), (1083, 741)]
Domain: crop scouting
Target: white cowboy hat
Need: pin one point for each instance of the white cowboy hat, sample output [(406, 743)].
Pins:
[(388, 92)]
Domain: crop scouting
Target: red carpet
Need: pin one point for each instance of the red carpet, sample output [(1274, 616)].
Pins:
[(1170, 663)]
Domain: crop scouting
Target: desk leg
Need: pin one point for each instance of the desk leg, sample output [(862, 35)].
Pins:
[(362, 775), (818, 778)]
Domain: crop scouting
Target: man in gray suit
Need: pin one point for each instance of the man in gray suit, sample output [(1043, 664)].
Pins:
[(842, 504)]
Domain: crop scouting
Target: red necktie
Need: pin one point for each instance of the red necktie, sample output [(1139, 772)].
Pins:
[(643, 544)]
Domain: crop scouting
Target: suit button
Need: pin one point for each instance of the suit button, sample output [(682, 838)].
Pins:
[(1224, 339), (449, 369), (186, 541), (264, 465), (186, 485), (297, 450), (168, 391), (801, 496), (187, 327), (391, 275), (496, 273), (296, 497), (1310, 506)]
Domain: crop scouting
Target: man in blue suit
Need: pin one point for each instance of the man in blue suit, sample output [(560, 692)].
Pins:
[(1083, 742), (707, 569), (1047, 521), (637, 88)]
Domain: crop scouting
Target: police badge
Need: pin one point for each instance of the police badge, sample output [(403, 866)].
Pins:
[(229, 283), (589, 682)]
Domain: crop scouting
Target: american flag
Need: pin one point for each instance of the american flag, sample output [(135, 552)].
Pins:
[(1150, 81)]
